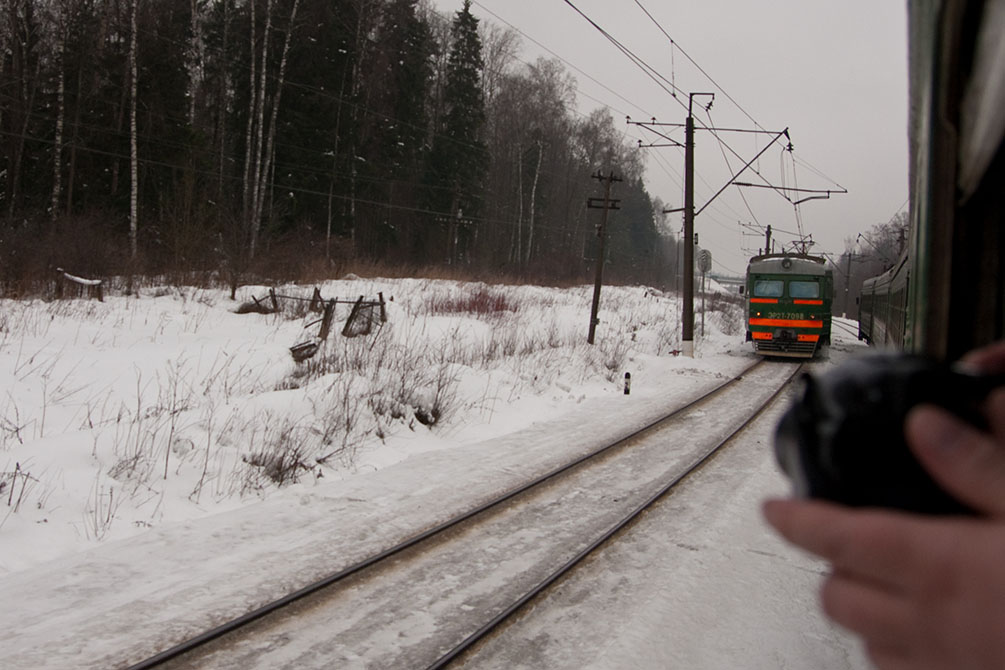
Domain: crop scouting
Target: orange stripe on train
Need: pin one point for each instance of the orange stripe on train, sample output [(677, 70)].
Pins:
[(787, 323)]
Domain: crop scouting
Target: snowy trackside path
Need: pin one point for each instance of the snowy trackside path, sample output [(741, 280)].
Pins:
[(700, 582)]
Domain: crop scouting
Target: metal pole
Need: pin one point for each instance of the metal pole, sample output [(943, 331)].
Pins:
[(847, 282), (687, 318), (703, 303)]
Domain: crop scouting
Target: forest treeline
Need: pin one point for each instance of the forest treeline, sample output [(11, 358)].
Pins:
[(281, 138), (870, 254)]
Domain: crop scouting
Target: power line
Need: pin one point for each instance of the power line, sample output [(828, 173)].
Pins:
[(663, 83), (567, 230), (693, 62), (649, 70), (725, 158), (570, 64)]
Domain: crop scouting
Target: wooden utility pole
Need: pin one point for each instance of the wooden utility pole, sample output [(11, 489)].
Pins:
[(607, 205)]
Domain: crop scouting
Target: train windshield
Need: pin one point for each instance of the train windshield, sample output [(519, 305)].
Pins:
[(768, 288), (804, 289)]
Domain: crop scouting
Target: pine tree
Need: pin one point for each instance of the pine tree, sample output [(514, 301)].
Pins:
[(317, 124), (405, 75), (459, 159), (395, 128)]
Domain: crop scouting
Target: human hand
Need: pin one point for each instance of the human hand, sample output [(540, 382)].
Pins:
[(922, 592)]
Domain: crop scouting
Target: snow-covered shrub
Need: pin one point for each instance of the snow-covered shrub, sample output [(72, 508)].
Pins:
[(725, 313), (476, 299)]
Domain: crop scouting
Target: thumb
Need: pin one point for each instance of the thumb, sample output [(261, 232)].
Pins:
[(965, 461)]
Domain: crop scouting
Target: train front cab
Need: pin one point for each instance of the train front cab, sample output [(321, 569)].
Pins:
[(788, 315)]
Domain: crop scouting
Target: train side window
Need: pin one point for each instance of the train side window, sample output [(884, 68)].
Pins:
[(804, 289), (768, 288)]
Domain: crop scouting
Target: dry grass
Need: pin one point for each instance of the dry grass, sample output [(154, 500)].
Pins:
[(209, 425), (475, 301)]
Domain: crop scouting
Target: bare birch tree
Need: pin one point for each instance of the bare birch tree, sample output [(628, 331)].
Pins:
[(257, 175), (533, 201), (196, 65), (133, 151), (501, 46), (273, 119), (24, 69), (221, 103), (60, 20), (250, 128)]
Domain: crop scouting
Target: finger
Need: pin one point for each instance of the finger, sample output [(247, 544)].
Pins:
[(881, 617), (964, 460), (987, 360), (994, 411), (876, 545), (891, 658)]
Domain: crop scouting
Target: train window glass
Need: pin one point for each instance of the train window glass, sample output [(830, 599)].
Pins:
[(804, 289), (768, 288)]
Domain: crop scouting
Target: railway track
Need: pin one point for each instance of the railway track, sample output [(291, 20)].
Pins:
[(845, 327), (426, 601)]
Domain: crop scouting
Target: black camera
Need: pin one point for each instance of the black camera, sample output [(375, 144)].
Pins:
[(843, 438)]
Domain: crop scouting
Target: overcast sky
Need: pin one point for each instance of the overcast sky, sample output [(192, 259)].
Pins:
[(833, 73)]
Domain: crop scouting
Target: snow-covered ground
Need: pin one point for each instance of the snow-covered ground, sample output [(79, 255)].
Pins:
[(164, 448)]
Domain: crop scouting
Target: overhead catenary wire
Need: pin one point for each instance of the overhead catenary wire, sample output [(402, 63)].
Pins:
[(674, 44), (570, 64), (722, 90), (725, 158), (660, 80), (716, 207), (649, 70), (795, 205), (720, 207), (697, 66)]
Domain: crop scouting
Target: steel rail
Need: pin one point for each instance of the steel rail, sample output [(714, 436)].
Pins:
[(486, 629), (237, 623), (845, 327)]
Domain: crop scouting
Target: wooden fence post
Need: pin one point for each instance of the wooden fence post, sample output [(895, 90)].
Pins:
[(326, 320)]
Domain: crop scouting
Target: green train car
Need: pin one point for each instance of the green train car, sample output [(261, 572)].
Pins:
[(945, 297), (788, 304)]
